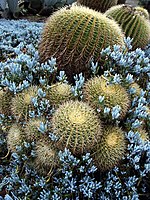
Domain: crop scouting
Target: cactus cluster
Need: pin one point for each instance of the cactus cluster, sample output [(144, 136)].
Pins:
[(99, 5), (133, 24), (81, 33)]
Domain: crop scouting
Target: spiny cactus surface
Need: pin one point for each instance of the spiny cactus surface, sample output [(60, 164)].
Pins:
[(22, 102), (59, 93), (99, 5), (74, 35), (14, 138), (113, 95), (5, 102), (110, 149), (77, 127), (46, 156), (133, 24)]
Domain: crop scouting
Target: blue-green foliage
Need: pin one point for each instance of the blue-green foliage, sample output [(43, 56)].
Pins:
[(76, 177)]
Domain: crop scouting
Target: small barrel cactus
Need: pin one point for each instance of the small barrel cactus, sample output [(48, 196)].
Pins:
[(22, 102), (31, 129), (110, 149), (113, 95), (80, 34), (99, 5), (5, 102), (133, 24), (14, 138), (77, 127), (45, 156), (59, 93)]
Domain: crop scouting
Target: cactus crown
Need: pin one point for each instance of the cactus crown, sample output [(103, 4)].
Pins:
[(99, 5), (142, 11), (59, 93), (77, 126), (133, 24), (80, 34)]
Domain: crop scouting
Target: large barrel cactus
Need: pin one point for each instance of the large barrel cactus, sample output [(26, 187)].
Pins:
[(99, 5), (74, 35), (133, 24)]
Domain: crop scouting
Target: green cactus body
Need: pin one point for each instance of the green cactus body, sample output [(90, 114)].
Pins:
[(77, 127), (133, 24), (142, 11), (5, 101), (31, 129), (80, 34), (99, 5), (46, 156), (21, 103), (14, 138), (113, 94), (110, 149), (59, 93)]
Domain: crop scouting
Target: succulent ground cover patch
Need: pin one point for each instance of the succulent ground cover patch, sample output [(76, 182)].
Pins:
[(34, 164)]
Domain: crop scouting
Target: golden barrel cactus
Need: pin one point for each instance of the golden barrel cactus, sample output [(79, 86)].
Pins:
[(74, 35)]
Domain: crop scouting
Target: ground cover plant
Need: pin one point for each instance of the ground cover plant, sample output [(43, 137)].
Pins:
[(79, 138)]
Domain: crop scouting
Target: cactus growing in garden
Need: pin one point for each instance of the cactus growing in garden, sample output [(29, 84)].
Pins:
[(99, 5), (80, 35), (59, 93), (46, 156), (113, 95), (110, 149), (15, 137), (31, 129), (77, 127), (133, 24), (5, 102), (22, 102)]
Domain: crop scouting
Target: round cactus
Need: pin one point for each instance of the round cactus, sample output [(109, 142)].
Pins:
[(77, 127), (22, 102), (14, 138), (142, 11), (113, 95), (110, 149), (46, 156), (133, 24), (99, 5), (80, 34), (59, 93), (31, 129), (5, 101)]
